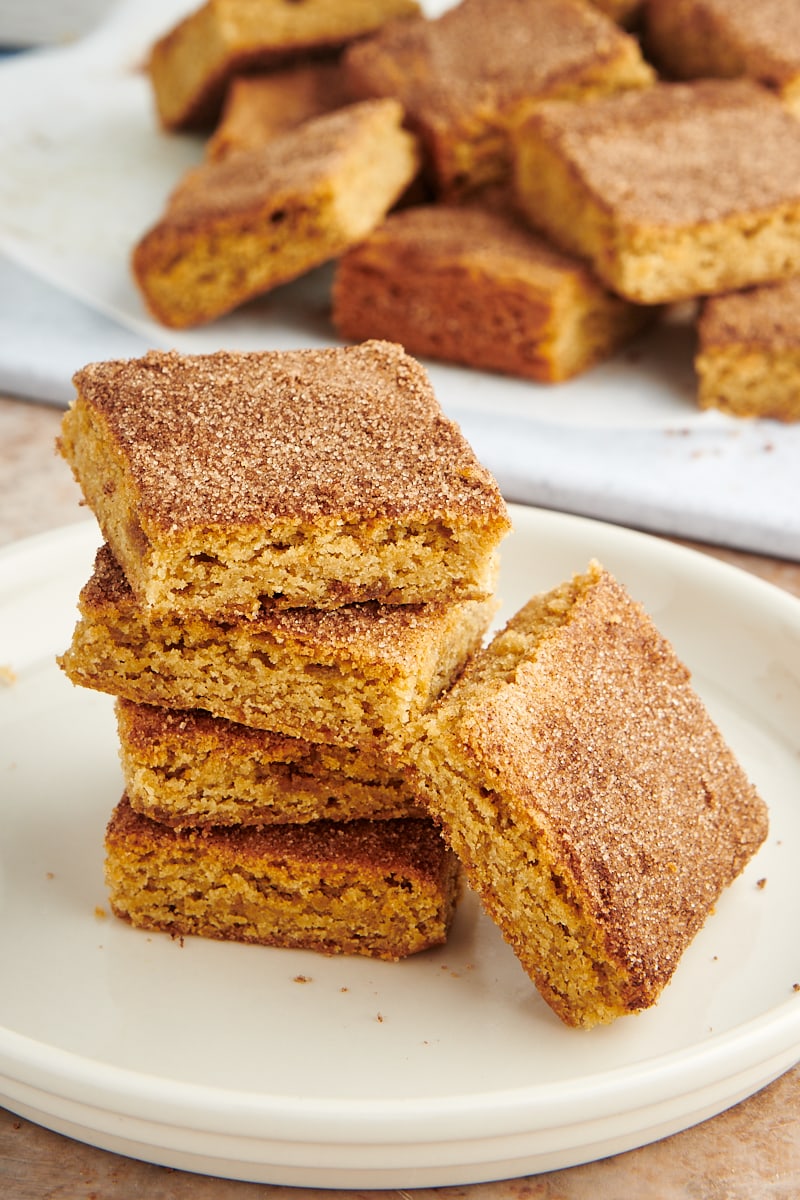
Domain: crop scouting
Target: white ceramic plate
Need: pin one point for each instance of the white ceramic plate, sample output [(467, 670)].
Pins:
[(444, 1069)]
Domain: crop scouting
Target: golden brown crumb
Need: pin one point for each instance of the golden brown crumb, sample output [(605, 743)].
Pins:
[(384, 889), (345, 676), (188, 768)]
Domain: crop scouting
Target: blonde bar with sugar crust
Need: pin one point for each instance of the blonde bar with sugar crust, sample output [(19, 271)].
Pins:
[(693, 39), (259, 108), (192, 64), (466, 78), (237, 228), (748, 352), (384, 889), (672, 192), (475, 285), (187, 768), (345, 676), (594, 804), (229, 483)]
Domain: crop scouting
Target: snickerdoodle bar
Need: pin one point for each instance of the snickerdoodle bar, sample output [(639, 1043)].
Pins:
[(384, 889), (467, 77), (237, 228), (231, 482), (345, 676), (693, 39), (671, 192), (748, 352), (192, 64), (594, 804), (187, 768), (473, 284), (259, 108)]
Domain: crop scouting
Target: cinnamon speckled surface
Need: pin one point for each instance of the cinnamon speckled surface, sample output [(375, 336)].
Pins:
[(751, 1152)]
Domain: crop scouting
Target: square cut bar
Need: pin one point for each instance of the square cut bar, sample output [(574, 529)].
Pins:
[(476, 286), (228, 483), (345, 676), (192, 64), (594, 804), (466, 78), (748, 355), (671, 192), (191, 769), (259, 108), (385, 889), (237, 228), (693, 39)]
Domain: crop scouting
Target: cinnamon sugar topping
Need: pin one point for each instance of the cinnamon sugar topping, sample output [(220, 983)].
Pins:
[(689, 148), (467, 59), (766, 316), (247, 438)]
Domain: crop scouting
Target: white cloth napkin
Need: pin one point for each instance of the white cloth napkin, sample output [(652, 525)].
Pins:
[(734, 486)]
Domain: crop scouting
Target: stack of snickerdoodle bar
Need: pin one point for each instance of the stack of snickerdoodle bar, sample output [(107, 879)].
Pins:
[(290, 608), (300, 556)]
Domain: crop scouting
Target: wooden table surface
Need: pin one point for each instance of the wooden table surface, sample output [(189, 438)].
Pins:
[(750, 1152)]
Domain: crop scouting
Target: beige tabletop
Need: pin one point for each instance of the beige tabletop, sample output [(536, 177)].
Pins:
[(748, 1153)]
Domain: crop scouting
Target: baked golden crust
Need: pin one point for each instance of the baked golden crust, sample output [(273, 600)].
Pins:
[(766, 316), (259, 108), (191, 769), (691, 39), (594, 804), (237, 228), (226, 483), (192, 64), (467, 77), (385, 889), (748, 353), (474, 284), (344, 676), (670, 192)]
